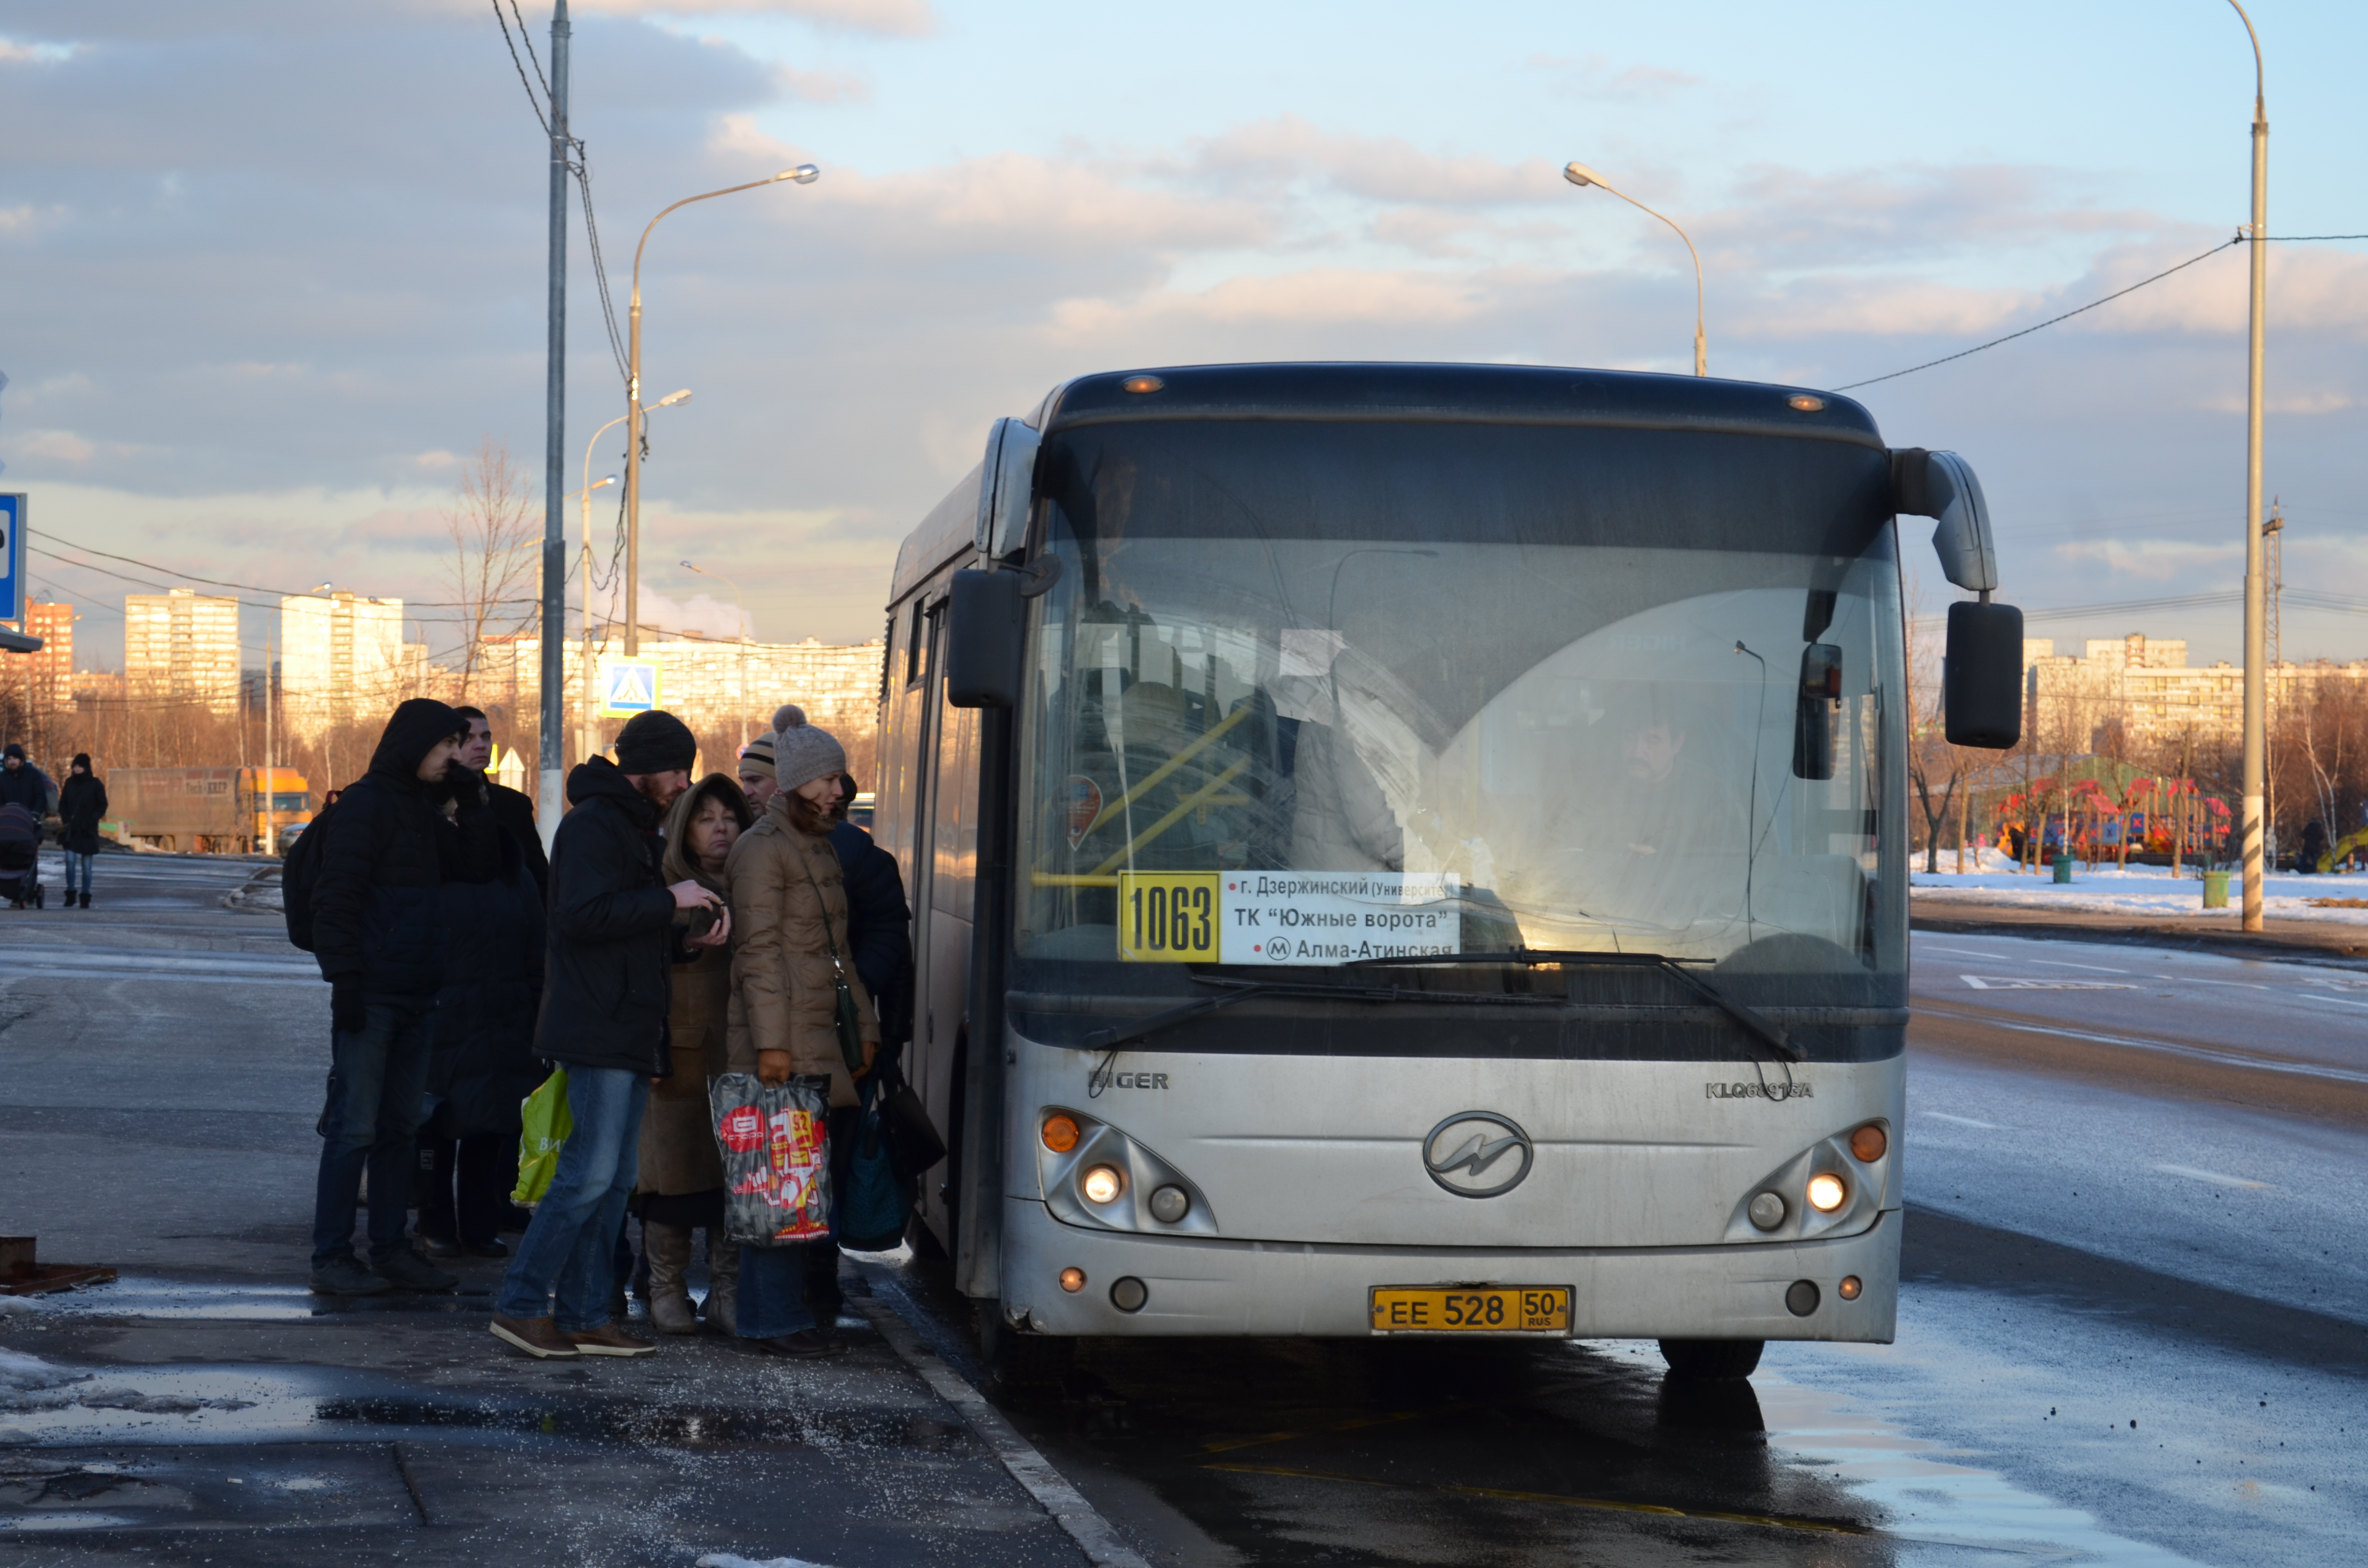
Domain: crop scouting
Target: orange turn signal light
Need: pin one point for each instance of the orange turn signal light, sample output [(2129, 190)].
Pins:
[(1072, 1280), (1847, 1290), (1060, 1132), (1142, 385), (1869, 1142)]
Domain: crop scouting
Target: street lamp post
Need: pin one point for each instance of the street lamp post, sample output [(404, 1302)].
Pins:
[(743, 640), (805, 174), (2256, 618), (1581, 175)]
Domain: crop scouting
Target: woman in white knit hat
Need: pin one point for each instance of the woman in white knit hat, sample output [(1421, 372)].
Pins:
[(789, 923)]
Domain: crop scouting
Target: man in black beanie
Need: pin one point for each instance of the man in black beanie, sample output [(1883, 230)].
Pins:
[(606, 990), (379, 938)]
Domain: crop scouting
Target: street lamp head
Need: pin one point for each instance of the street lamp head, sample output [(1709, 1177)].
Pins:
[(672, 398), (805, 174), (604, 483), (1579, 173)]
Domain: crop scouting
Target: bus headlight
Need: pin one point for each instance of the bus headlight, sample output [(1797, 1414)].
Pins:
[(1839, 1185), (1096, 1177), (1828, 1192)]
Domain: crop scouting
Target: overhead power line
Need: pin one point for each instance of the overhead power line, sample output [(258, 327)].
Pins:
[(2026, 332)]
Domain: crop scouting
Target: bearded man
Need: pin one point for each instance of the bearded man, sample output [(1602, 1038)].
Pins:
[(606, 990)]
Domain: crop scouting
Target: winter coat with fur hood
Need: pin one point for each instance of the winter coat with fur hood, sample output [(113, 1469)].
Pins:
[(784, 883)]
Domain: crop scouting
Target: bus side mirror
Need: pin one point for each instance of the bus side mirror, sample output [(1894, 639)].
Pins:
[(1006, 484), (1941, 486), (984, 622), (1813, 710), (1981, 676)]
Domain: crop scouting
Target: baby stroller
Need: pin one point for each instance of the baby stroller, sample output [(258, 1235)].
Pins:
[(20, 864)]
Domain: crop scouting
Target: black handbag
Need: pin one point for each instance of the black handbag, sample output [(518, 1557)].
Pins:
[(912, 1143)]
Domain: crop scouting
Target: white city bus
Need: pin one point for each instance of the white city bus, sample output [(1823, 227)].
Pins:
[(1404, 849)]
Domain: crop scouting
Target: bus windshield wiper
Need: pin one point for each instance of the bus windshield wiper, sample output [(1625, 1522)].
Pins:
[(1243, 990), (1753, 1022)]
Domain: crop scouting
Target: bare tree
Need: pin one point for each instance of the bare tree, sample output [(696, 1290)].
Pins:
[(494, 530)]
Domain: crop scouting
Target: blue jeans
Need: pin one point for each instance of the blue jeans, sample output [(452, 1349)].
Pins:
[(78, 863), (773, 1291), (378, 1085), (571, 1247)]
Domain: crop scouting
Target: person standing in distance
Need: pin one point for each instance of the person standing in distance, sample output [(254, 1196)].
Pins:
[(378, 936), (512, 808), (82, 802), (605, 995), (757, 781)]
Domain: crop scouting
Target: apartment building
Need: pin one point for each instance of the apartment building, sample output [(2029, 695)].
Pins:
[(181, 647), (43, 681), (2146, 685), (342, 658)]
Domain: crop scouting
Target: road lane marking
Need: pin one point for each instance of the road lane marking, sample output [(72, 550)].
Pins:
[(1562, 1499), (1955, 952), (1962, 1120), (2058, 963), (2214, 1178), (2339, 1001), (2195, 1052), (2021, 982)]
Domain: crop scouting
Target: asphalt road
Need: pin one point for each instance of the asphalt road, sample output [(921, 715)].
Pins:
[(2132, 1331)]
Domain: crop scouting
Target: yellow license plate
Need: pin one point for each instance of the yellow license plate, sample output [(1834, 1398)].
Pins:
[(1471, 1309)]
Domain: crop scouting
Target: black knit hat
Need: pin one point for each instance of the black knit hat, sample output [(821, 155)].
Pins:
[(655, 742)]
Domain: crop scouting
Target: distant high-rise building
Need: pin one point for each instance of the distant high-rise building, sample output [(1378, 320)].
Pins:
[(44, 679), (181, 647), (341, 659)]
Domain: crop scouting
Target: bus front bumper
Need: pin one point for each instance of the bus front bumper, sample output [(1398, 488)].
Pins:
[(1217, 1286)]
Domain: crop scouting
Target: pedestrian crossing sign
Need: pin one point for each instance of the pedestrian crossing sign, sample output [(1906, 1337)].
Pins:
[(628, 687)]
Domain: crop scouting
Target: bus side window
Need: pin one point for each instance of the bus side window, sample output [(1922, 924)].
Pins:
[(916, 644)]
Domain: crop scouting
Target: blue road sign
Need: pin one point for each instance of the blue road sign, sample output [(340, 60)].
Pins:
[(12, 557), (628, 687)]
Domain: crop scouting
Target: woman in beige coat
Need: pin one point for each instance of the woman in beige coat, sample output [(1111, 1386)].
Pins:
[(789, 913), (681, 1184)]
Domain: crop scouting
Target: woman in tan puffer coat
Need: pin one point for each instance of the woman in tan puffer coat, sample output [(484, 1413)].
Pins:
[(789, 913), (680, 1189)]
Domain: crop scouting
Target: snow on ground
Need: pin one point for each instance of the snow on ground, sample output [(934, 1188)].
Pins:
[(2142, 891)]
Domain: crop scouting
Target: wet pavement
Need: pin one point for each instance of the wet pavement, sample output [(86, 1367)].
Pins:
[(2132, 1329)]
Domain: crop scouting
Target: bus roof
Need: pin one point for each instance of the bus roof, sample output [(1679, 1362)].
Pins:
[(1520, 394), (1397, 392)]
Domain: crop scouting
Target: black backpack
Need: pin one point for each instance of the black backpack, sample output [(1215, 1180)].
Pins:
[(297, 874)]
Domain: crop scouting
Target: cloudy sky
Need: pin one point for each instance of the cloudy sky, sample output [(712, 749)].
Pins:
[(270, 268)]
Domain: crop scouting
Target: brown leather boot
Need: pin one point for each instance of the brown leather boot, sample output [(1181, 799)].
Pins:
[(608, 1340), (539, 1337), (667, 1248)]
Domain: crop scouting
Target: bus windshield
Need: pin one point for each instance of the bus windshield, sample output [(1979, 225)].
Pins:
[(1306, 695)]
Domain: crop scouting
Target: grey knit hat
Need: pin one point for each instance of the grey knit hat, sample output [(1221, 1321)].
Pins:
[(801, 753)]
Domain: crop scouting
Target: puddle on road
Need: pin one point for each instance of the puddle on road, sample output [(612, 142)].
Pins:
[(1934, 1509), (149, 1297)]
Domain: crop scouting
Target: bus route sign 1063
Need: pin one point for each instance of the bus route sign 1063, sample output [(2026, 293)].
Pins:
[(1286, 917)]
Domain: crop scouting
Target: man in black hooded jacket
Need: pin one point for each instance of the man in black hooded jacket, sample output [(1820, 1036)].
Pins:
[(379, 939), (607, 985)]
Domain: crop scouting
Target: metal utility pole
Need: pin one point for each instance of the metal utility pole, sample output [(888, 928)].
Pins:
[(270, 774), (553, 632), (2256, 617)]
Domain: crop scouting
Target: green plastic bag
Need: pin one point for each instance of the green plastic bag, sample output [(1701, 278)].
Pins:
[(548, 1124)]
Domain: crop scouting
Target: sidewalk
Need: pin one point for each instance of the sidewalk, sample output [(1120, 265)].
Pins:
[(2142, 904)]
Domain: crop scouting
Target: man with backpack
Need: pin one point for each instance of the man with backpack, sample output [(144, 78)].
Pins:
[(361, 892)]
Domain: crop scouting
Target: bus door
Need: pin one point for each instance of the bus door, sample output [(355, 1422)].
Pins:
[(945, 859)]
